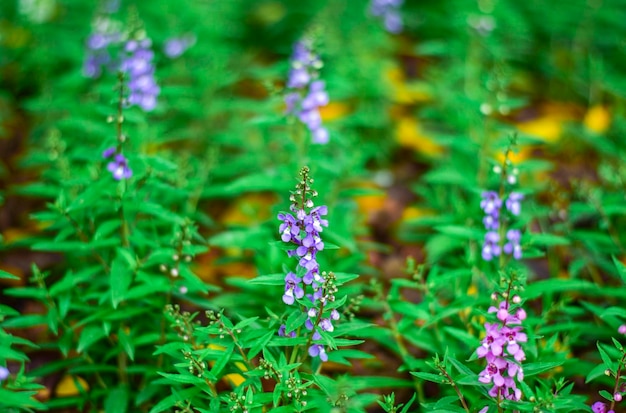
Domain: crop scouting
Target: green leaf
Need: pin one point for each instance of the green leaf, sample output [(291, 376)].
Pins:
[(405, 409), (436, 378), (221, 362), (120, 278), (155, 210), (541, 288), (606, 359), (260, 344), (547, 240), (621, 269), (89, 336), (183, 378), (117, 400), (596, 372), (126, 342), (462, 232), (4, 274), (19, 399), (606, 395), (531, 369), (295, 320), (269, 279)]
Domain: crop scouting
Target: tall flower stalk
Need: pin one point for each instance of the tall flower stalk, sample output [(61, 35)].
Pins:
[(308, 287)]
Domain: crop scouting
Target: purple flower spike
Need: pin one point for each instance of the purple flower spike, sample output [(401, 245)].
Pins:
[(307, 95), (301, 230), (140, 70), (502, 350)]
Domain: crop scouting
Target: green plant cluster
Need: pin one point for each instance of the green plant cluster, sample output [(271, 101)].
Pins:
[(163, 291)]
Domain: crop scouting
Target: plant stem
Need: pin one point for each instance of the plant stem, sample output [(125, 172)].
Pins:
[(455, 387)]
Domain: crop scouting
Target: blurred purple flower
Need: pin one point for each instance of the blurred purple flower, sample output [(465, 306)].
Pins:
[(491, 202), (306, 94), (491, 246), (140, 70), (512, 247), (4, 373), (388, 10), (513, 203), (97, 57), (175, 46), (119, 166), (599, 407)]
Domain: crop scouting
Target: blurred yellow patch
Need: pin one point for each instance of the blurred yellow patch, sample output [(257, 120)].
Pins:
[(521, 154), (413, 212), (409, 134), (403, 91), (67, 386), (249, 209), (208, 269), (370, 203), (548, 125), (549, 129), (334, 110), (597, 119), (269, 12)]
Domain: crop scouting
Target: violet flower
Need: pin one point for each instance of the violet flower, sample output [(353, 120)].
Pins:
[(599, 407), (119, 165), (293, 289)]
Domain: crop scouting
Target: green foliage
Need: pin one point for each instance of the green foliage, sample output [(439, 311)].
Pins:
[(162, 292)]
